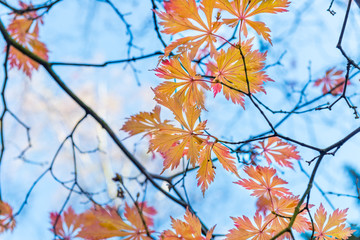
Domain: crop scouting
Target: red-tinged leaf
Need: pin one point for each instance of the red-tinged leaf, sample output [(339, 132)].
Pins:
[(245, 229), (133, 216), (188, 87), (273, 149), (7, 220), (229, 72), (331, 227), (282, 209), (25, 30), (242, 10), (226, 160), (68, 225), (263, 182), (174, 141), (262, 205), (101, 223), (188, 229), (206, 172), (333, 82), (183, 15)]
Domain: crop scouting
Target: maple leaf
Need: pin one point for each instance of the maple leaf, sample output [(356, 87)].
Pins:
[(331, 227), (183, 15), (7, 220), (228, 69), (103, 223), (132, 215), (25, 30), (245, 229), (282, 209), (263, 182), (67, 226), (242, 10), (226, 160), (273, 149), (206, 172), (144, 122), (173, 141), (189, 86), (190, 229), (262, 205), (333, 82)]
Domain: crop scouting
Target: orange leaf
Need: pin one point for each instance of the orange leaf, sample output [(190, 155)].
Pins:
[(273, 149), (226, 160), (333, 82), (7, 220), (25, 30), (282, 209), (173, 141), (183, 15), (206, 172), (331, 227), (188, 229), (229, 72), (263, 182), (68, 225), (242, 10), (144, 122), (100, 223), (189, 85), (245, 229), (133, 216)]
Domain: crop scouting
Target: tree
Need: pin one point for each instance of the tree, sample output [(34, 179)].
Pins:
[(186, 141)]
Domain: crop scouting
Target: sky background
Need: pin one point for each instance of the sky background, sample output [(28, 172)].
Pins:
[(89, 31)]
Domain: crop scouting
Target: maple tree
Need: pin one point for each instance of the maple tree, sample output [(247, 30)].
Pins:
[(199, 62)]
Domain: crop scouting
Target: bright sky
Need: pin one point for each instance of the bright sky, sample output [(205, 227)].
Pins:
[(90, 32)]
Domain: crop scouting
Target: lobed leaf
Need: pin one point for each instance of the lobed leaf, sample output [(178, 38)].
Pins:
[(242, 10), (273, 149), (188, 229), (332, 226), (183, 15), (263, 182), (25, 30)]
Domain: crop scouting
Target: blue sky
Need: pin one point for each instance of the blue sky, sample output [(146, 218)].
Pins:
[(89, 31)]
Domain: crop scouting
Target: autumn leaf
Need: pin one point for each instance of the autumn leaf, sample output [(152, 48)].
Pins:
[(242, 10), (188, 87), (190, 229), (175, 142), (263, 182), (273, 149), (172, 141), (7, 220), (144, 122), (66, 226), (206, 172), (184, 15), (331, 227), (229, 72), (100, 223), (245, 229), (226, 160), (25, 30), (333, 82), (132, 214), (282, 209)]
